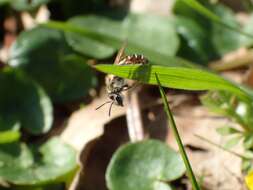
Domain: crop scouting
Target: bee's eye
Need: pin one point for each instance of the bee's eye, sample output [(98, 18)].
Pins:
[(118, 99)]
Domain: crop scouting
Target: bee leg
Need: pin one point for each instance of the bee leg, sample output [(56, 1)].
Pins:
[(110, 108), (103, 105)]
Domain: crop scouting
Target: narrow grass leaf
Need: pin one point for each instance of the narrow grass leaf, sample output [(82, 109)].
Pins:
[(175, 77), (177, 137)]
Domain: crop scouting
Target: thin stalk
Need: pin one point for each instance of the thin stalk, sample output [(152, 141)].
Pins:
[(172, 124)]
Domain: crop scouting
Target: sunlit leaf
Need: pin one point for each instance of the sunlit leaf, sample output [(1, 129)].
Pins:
[(8, 136), (146, 165), (174, 77)]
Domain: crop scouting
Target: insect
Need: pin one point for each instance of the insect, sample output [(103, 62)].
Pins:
[(116, 85)]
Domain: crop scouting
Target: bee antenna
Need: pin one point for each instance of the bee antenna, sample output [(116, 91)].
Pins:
[(110, 108), (103, 105)]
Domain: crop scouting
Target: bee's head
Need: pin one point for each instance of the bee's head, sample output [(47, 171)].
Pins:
[(117, 98)]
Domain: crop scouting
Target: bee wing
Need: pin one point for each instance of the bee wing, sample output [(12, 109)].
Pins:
[(120, 53)]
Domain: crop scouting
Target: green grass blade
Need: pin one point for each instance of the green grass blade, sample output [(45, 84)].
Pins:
[(194, 4), (177, 137), (175, 77)]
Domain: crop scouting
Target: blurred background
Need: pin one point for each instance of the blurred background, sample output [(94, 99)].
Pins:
[(52, 136)]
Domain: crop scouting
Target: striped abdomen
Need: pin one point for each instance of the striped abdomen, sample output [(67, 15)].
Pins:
[(133, 59)]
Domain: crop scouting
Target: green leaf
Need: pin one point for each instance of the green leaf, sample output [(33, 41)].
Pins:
[(248, 27), (9, 136), (152, 31), (114, 33), (3, 2), (227, 104), (181, 8), (248, 154), (174, 77), (58, 186), (45, 56), (247, 165), (195, 40), (224, 39), (227, 130), (221, 39), (233, 142), (9, 130), (25, 5), (23, 102), (23, 165), (197, 6), (139, 29), (71, 8), (146, 165), (248, 141), (89, 47)]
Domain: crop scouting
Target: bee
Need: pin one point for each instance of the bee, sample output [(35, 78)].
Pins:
[(116, 85)]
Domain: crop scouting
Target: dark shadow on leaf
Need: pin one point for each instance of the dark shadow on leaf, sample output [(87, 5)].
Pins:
[(142, 73)]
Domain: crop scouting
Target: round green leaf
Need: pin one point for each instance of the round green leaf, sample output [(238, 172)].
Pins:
[(144, 165), (45, 56), (181, 8), (224, 39), (27, 5), (195, 40), (153, 32), (89, 46), (35, 165), (23, 102), (248, 28), (145, 31)]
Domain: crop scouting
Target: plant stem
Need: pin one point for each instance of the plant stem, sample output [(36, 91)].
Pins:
[(172, 124)]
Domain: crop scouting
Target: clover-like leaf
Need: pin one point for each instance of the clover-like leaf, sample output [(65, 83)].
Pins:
[(24, 103), (36, 165), (147, 165), (45, 56)]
